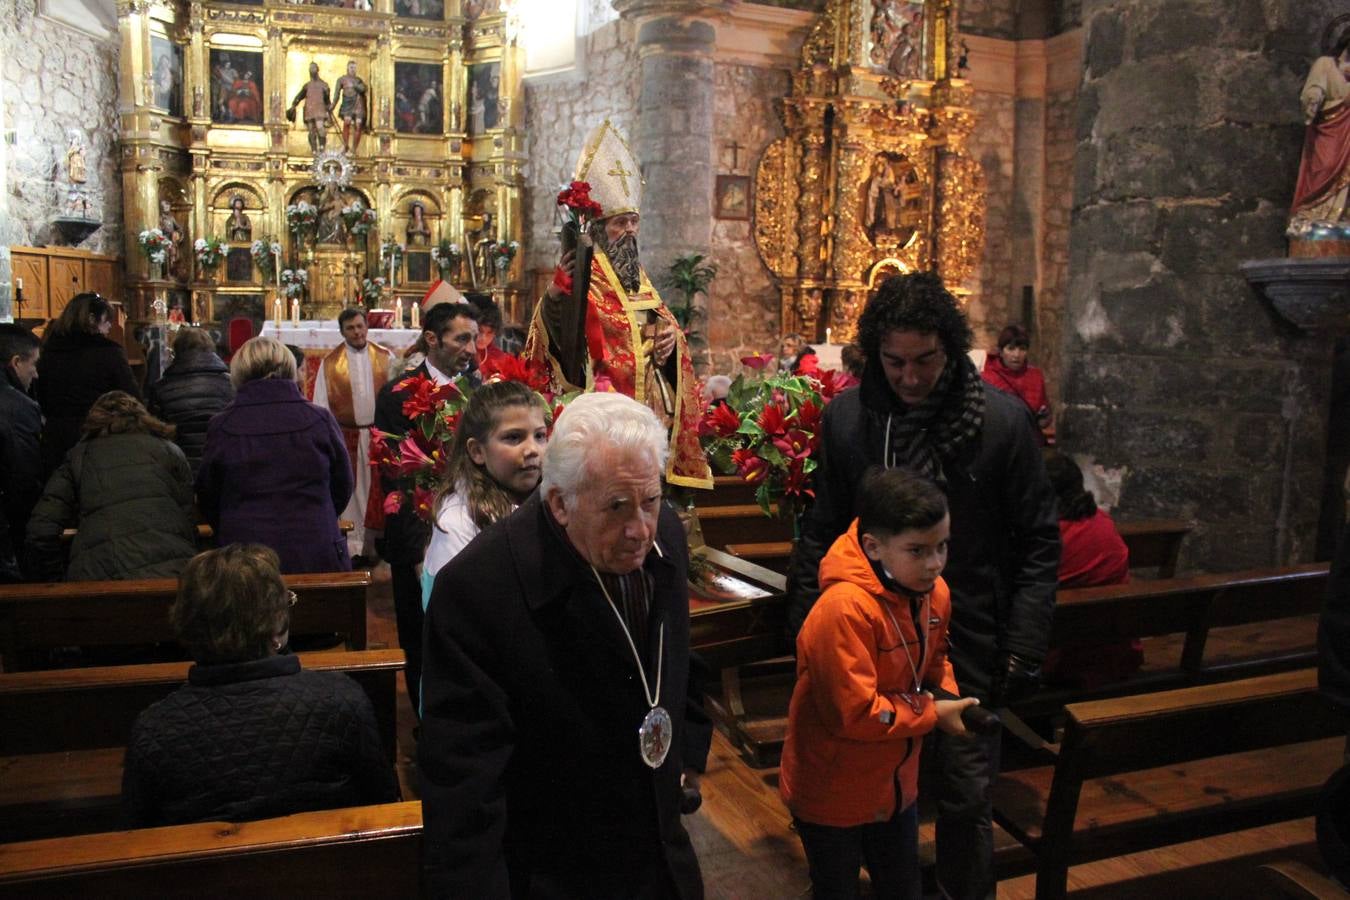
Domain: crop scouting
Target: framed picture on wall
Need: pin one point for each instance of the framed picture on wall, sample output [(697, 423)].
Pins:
[(236, 87), (166, 62), (417, 98), (731, 198), (484, 92)]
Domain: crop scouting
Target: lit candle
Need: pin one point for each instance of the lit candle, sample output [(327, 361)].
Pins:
[(276, 257), (295, 312), (276, 313), (416, 315), (391, 270), (827, 335), (18, 282), (398, 313)]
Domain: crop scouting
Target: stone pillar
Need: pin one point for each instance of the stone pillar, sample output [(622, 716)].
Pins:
[(1183, 394), (673, 138)]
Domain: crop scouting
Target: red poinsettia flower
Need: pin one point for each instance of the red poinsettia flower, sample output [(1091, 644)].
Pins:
[(721, 421), (808, 417), (423, 501), (831, 383), (424, 395), (514, 368), (758, 361), (412, 458), (577, 197), (393, 503), (603, 385), (795, 445), (381, 456), (772, 420), (797, 483), (751, 467)]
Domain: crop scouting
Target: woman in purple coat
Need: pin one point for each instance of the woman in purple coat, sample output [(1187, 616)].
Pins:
[(275, 469)]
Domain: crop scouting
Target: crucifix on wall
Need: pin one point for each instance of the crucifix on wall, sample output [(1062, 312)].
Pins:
[(734, 148)]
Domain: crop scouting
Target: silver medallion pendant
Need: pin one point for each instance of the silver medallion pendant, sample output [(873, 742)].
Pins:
[(654, 737)]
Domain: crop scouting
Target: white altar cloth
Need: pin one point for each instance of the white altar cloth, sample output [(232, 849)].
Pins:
[(325, 335)]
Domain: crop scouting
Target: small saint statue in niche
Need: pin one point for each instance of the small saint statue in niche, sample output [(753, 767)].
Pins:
[(351, 107), (173, 231), (418, 235), (329, 229), (76, 168), (316, 111), (237, 226), (1319, 210)]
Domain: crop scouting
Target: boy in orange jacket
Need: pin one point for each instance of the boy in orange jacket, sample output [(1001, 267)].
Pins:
[(872, 644)]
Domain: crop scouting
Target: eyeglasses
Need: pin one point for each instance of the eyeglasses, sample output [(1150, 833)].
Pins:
[(292, 597)]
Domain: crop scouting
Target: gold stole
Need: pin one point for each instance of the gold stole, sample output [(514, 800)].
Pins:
[(337, 379)]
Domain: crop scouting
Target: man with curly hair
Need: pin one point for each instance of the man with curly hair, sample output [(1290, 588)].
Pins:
[(923, 406)]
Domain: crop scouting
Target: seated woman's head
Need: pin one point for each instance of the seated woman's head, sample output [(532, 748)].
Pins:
[(1075, 500), (88, 313), (259, 358), (1013, 344), (117, 412), (193, 340), (232, 605)]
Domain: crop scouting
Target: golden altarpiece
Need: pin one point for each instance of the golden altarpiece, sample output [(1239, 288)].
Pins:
[(222, 131), (874, 175)]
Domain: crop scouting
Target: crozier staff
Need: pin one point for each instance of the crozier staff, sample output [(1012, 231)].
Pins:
[(558, 720)]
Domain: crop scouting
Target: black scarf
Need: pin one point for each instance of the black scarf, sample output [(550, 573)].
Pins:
[(935, 430)]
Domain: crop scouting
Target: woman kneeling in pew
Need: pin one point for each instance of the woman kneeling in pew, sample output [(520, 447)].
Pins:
[(251, 735)]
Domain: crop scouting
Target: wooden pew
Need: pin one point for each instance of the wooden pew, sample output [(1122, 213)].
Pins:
[(66, 731), (752, 705), (1145, 771), (358, 852), (35, 618), (1154, 544)]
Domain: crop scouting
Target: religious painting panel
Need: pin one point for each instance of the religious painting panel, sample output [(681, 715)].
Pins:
[(420, 9), (894, 201), (476, 9), (166, 66), (236, 87), (419, 266), (731, 198), (239, 265), (418, 90), (484, 86), (896, 34)]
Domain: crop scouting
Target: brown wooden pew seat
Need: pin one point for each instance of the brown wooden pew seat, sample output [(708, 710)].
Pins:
[(358, 852), (65, 733), (35, 618), (1145, 771)]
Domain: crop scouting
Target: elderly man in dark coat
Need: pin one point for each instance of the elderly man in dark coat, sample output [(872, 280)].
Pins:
[(557, 723)]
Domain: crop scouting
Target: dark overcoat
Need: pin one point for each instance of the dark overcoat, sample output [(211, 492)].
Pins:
[(532, 783), (194, 387), (275, 471), (74, 370)]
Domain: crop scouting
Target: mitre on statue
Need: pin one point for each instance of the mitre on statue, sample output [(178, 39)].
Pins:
[(610, 168)]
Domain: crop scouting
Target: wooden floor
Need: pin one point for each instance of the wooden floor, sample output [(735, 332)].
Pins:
[(749, 852)]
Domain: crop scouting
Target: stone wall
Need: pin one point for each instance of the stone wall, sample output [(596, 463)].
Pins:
[(1182, 387), (993, 144), (560, 110), (743, 302), (1056, 206), (56, 79)]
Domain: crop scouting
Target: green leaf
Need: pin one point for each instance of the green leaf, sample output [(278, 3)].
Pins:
[(763, 496)]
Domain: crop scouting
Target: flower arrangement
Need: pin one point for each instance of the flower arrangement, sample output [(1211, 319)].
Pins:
[(502, 253), (371, 293), (358, 219), (768, 432), (154, 245), (210, 252), (417, 460), (576, 204), (301, 217), (265, 252), (392, 250), (294, 282), (446, 256)]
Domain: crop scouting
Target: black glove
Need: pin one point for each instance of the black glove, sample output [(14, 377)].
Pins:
[(691, 798), (1015, 678)]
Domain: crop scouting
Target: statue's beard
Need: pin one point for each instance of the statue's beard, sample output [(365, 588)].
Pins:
[(623, 256)]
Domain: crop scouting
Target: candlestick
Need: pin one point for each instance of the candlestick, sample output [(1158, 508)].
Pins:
[(398, 313), (295, 312), (276, 264), (416, 315), (391, 271), (18, 283), (276, 314), (827, 335)]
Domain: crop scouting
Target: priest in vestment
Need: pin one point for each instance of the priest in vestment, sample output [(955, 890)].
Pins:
[(347, 383), (632, 341)]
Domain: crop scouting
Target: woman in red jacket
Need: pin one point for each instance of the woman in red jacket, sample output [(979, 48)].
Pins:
[(1009, 371), (867, 656)]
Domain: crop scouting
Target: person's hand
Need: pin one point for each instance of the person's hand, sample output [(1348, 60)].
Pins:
[(949, 714), (1014, 679), (691, 797), (565, 265), (664, 344)]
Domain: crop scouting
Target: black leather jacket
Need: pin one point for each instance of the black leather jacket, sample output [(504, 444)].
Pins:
[(1004, 557), (20, 471)]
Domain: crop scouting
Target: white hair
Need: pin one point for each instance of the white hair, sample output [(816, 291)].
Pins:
[(592, 424)]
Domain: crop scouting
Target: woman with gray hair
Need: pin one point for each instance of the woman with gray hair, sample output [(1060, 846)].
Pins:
[(251, 735), (275, 468), (194, 387)]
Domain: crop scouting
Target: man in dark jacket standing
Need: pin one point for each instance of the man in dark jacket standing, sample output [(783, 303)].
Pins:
[(20, 444), (923, 406), (449, 332), (558, 725), (194, 387)]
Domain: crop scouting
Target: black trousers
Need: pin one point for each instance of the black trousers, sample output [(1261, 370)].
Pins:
[(409, 616), (890, 849), (968, 767)]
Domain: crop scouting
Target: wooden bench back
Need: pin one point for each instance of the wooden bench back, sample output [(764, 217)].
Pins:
[(35, 617), (1154, 543), (85, 709), (358, 852), (1106, 737)]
